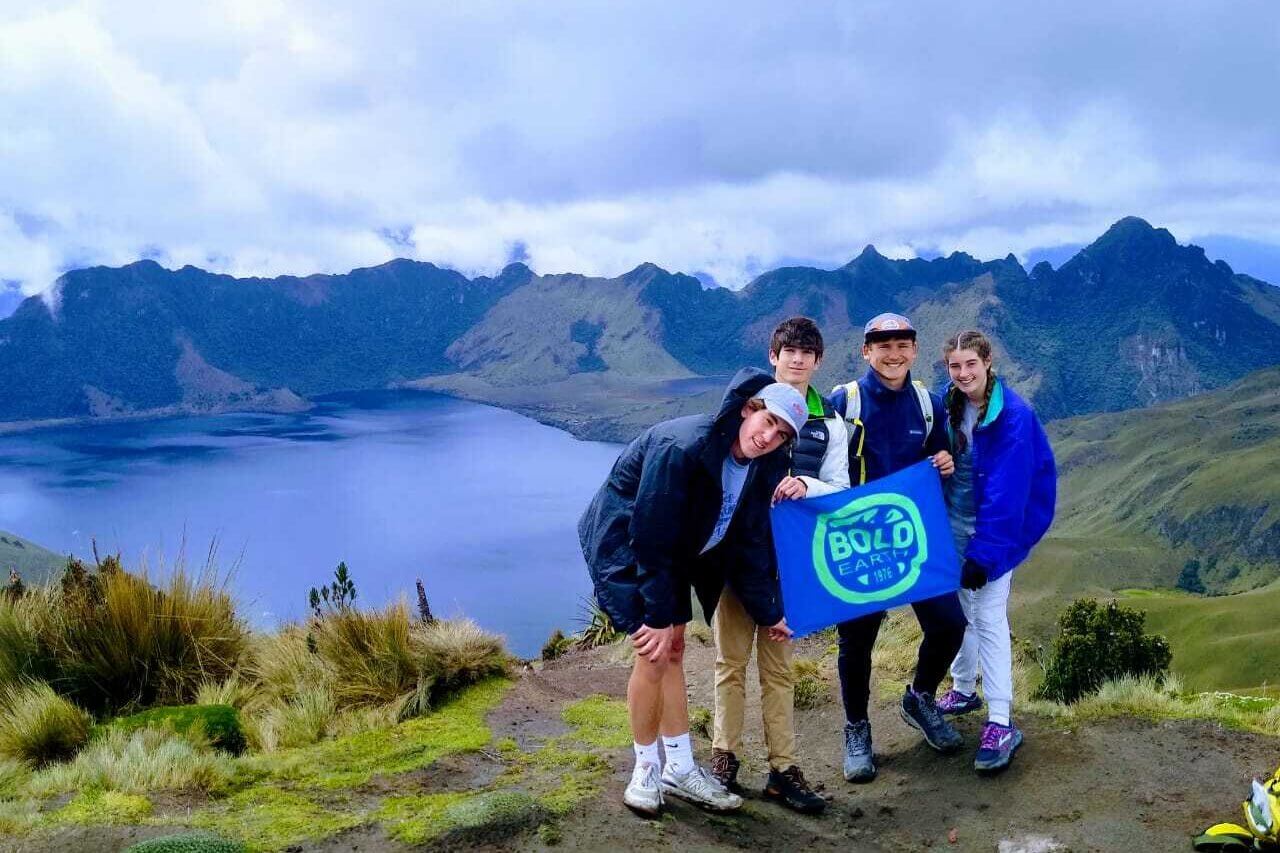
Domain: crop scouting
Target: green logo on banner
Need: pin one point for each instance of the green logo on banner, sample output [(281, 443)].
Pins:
[(870, 549)]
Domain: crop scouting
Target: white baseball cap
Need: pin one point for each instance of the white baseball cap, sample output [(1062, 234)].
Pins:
[(787, 403)]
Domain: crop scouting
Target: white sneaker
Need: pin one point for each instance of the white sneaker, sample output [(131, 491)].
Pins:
[(700, 788), (643, 793)]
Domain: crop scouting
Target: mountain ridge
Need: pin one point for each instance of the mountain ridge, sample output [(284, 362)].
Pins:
[(1132, 320)]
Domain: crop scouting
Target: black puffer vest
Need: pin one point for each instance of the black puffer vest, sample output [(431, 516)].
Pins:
[(810, 446)]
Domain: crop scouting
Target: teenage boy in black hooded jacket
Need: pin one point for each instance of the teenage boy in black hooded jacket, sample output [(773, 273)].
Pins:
[(686, 505)]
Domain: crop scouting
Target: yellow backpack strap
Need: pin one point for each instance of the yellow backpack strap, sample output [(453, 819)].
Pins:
[(852, 416)]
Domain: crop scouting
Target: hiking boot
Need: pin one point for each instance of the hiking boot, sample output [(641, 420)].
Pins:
[(700, 788), (644, 794), (954, 703), (790, 788), (997, 747), (859, 763), (920, 712), (724, 768)]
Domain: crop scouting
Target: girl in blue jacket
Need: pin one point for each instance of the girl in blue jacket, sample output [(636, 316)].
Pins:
[(1000, 500)]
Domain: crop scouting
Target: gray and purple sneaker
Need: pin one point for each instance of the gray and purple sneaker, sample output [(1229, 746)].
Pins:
[(997, 747), (955, 703)]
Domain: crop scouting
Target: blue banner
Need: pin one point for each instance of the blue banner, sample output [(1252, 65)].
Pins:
[(865, 549)]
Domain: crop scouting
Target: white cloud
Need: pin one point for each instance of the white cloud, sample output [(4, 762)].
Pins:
[(287, 136)]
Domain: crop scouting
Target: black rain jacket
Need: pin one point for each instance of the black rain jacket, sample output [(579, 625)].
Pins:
[(642, 533)]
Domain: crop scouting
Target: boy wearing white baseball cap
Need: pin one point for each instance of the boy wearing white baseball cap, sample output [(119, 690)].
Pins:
[(686, 505)]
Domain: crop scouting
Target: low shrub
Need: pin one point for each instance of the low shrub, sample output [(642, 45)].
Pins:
[(136, 762), (556, 645), (188, 842), (1098, 643), (219, 725), (38, 726)]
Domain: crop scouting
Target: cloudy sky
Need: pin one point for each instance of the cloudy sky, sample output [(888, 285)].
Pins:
[(721, 138)]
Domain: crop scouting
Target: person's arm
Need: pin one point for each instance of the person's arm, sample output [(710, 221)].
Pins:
[(833, 475), (1005, 471), (656, 522)]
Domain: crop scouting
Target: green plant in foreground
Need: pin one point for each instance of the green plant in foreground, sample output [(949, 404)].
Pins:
[(38, 726), (187, 842), (219, 725), (597, 627), (1100, 643), (700, 720)]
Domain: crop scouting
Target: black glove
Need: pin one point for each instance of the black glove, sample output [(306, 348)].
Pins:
[(972, 575)]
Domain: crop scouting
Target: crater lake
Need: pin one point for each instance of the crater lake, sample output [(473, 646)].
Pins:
[(480, 503)]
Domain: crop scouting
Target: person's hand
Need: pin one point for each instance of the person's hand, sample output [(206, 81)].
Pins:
[(972, 575), (790, 489), (652, 644), (944, 463), (780, 633)]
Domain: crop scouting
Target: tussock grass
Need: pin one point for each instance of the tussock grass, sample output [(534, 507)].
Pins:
[(375, 651), (230, 691), (456, 652), (894, 656), (137, 762), (38, 726), (305, 719), (811, 685), (22, 655), (13, 776), (139, 644)]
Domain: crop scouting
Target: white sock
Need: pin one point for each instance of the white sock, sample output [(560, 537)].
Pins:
[(679, 753), (1000, 719), (647, 754)]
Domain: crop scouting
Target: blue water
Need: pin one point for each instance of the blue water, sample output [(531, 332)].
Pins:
[(480, 503)]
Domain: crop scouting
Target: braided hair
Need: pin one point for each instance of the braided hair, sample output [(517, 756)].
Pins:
[(979, 343)]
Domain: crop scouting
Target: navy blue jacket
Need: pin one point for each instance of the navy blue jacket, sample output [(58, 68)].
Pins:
[(1015, 483), (894, 426), (645, 528)]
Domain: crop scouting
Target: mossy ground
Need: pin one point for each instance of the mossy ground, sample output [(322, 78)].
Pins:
[(302, 796)]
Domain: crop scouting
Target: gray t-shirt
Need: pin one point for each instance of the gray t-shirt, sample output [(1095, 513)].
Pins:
[(961, 504), (733, 475)]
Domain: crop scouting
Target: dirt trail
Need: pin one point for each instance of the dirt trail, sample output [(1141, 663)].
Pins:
[(1117, 785), (1120, 785)]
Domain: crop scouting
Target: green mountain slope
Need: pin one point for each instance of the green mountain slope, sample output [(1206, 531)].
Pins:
[(1197, 477), (34, 564)]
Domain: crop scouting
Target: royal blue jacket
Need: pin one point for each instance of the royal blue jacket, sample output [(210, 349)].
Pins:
[(1015, 483), (894, 426)]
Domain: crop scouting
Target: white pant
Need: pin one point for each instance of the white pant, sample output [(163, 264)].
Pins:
[(987, 642)]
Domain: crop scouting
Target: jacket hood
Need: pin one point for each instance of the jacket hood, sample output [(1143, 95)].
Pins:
[(746, 383)]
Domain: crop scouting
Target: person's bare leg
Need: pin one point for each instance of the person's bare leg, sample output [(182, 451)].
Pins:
[(675, 698), (645, 698)]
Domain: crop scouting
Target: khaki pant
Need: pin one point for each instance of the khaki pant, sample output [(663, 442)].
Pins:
[(734, 633)]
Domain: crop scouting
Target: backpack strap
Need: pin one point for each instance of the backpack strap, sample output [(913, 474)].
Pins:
[(926, 408), (848, 405)]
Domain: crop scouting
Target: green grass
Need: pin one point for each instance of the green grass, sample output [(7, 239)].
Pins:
[(599, 721), (95, 808), (137, 762), (217, 724), (267, 818), (1229, 642)]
